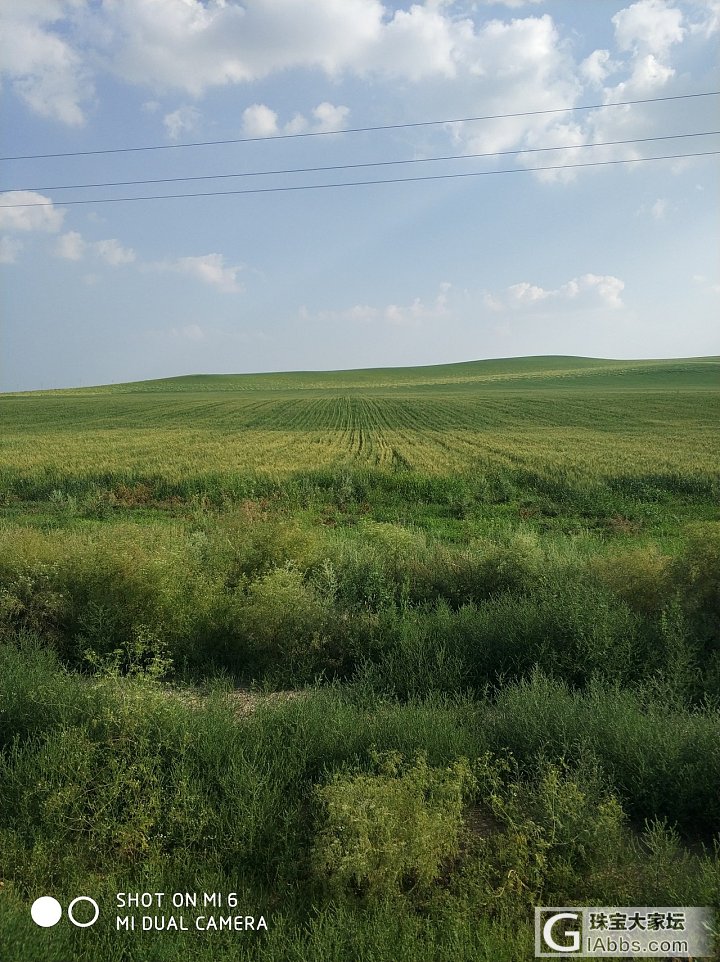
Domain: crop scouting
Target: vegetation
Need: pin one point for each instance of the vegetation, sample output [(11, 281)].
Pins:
[(393, 655)]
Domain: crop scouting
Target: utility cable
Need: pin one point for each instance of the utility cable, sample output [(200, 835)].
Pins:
[(376, 163), (359, 130), (362, 183)]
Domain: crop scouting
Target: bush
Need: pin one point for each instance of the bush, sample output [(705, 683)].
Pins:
[(392, 831), (663, 762), (640, 576), (30, 601), (543, 838), (569, 628), (282, 622)]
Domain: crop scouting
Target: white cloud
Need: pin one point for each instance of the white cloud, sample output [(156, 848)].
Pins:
[(152, 43), (10, 247), (596, 67), (525, 293), (412, 314), (297, 125), (328, 117), (40, 214), (209, 268), (43, 67), (648, 73), (650, 26), (70, 246), (609, 288), (709, 23), (511, 67), (113, 253), (181, 122), (463, 63), (259, 121), (588, 290), (73, 247), (419, 42)]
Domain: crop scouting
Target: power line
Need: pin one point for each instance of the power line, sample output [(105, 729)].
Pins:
[(362, 183), (360, 130), (376, 163)]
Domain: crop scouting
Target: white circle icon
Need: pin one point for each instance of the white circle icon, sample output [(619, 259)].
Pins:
[(71, 906), (46, 911)]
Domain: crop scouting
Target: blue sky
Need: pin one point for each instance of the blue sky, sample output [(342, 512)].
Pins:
[(615, 261)]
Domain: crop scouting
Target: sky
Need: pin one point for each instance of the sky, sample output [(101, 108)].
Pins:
[(618, 260)]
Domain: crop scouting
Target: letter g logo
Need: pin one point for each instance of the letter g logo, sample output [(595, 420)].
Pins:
[(573, 933)]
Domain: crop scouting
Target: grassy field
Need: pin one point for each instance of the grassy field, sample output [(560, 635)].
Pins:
[(395, 655)]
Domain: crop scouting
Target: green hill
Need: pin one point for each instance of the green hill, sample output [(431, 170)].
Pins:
[(517, 373)]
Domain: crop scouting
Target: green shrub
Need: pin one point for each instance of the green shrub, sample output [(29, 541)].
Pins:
[(283, 622), (567, 627), (697, 570), (662, 761), (392, 831), (31, 601), (248, 542), (640, 576), (546, 837)]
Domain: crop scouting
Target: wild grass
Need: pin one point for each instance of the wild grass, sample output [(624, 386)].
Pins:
[(493, 590), (120, 786)]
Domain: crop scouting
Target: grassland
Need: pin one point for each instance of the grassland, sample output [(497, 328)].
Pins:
[(488, 595)]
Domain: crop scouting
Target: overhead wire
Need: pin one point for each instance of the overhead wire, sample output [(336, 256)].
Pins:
[(362, 183), (376, 163), (356, 130)]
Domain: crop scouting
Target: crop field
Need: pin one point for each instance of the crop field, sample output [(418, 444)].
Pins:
[(608, 421), (393, 655)]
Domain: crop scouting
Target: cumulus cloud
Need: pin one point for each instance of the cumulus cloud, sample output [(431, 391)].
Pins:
[(10, 247), (209, 268), (709, 21), (181, 122), (329, 117), (463, 57), (43, 67), (259, 120), (408, 314), (588, 290), (113, 253), (420, 42), (512, 3), (152, 43), (40, 214), (646, 31), (226, 42), (73, 247), (648, 26), (597, 66), (513, 67), (70, 246)]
